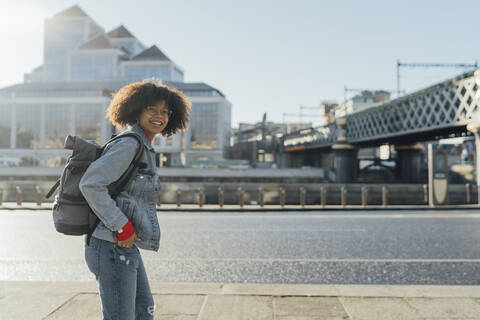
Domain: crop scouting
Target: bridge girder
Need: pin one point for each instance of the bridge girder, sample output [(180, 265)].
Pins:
[(440, 111)]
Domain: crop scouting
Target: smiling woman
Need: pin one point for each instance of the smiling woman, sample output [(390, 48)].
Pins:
[(146, 108), (158, 109)]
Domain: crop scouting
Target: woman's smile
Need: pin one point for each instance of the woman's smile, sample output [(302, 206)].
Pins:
[(154, 118)]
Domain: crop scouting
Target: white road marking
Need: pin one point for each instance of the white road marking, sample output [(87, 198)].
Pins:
[(333, 216), (160, 259)]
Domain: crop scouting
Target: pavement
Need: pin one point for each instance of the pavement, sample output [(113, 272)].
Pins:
[(27, 300)]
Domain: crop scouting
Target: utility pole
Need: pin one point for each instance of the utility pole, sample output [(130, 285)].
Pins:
[(307, 107), (429, 65), (299, 115)]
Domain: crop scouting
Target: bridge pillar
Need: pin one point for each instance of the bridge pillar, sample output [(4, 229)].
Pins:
[(474, 127), (286, 160), (409, 162), (346, 164)]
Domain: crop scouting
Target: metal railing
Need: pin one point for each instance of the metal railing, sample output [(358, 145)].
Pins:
[(321, 196)]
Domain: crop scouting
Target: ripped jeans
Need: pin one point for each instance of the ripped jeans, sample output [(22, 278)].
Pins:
[(122, 280)]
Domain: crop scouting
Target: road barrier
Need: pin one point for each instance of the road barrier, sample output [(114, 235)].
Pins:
[(282, 197), (261, 196), (179, 198), (303, 196), (343, 193), (241, 197), (323, 196), (384, 196), (425, 193), (468, 194), (200, 197), (268, 195), (19, 195), (221, 197), (39, 195), (364, 196)]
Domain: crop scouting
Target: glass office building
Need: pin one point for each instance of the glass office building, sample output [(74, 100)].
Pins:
[(83, 66)]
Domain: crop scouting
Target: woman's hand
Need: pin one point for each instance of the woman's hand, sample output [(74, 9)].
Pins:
[(129, 242)]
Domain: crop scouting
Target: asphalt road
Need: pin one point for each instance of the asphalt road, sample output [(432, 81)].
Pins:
[(338, 247)]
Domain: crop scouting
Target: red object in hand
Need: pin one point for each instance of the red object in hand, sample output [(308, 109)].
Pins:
[(127, 231)]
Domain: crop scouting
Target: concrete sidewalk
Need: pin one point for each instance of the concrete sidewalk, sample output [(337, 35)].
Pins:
[(187, 301)]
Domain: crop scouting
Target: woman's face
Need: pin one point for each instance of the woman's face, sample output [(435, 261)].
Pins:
[(154, 119)]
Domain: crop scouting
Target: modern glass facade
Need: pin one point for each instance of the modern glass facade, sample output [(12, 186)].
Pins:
[(28, 121), (145, 72), (5, 125), (58, 124), (92, 67), (69, 94), (61, 35), (88, 121), (45, 126), (203, 123), (177, 75)]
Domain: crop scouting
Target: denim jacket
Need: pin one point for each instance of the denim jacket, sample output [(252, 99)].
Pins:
[(136, 203)]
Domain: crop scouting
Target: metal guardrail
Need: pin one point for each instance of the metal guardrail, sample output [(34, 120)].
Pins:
[(343, 196), (39, 192), (241, 197), (384, 196), (302, 196), (364, 196), (323, 196), (19, 193), (221, 197), (261, 197), (199, 196), (468, 193), (179, 198), (425, 193), (282, 197)]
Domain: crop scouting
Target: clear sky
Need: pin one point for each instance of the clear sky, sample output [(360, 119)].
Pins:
[(270, 55)]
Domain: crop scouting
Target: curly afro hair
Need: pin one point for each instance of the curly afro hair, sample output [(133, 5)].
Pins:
[(128, 104)]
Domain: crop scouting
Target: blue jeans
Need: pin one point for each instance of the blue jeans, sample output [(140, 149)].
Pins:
[(122, 280)]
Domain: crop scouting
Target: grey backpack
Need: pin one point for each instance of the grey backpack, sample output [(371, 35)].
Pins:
[(71, 213)]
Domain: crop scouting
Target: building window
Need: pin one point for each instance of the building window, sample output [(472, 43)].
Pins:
[(177, 75), (141, 73), (92, 67), (88, 121), (57, 127), (28, 126), (5, 125), (203, 123), (60, 36)]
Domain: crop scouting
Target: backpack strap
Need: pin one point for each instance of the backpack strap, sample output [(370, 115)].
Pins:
[(126, 177), (52, 189), (132, 169)]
